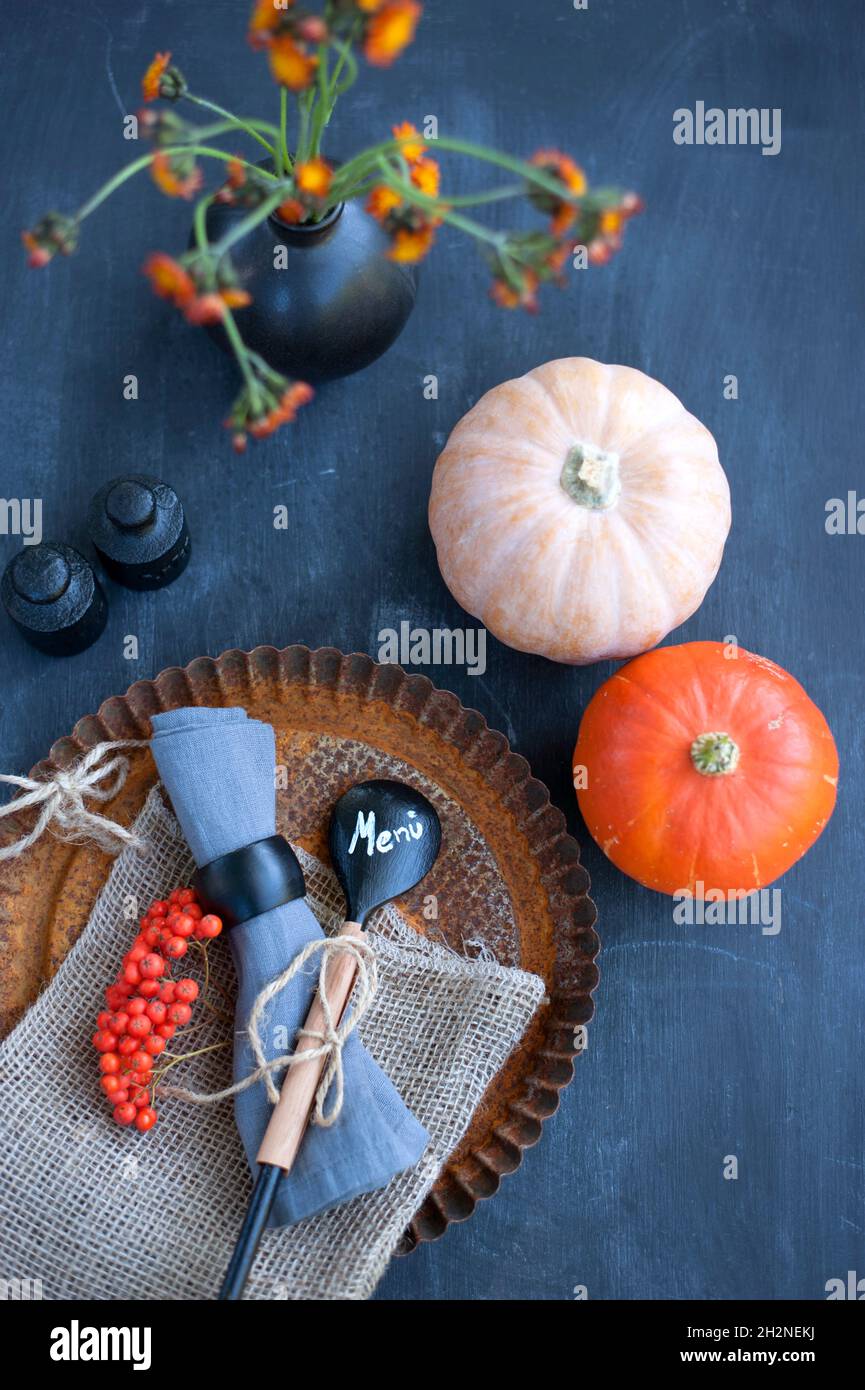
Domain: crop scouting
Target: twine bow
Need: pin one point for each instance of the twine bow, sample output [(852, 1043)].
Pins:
[(331, 1040), (62, 796)]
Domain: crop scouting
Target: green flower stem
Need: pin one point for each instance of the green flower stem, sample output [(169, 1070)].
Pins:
[(600, 199), (336, 87), (318, 102), (304, 106), (438, 209), (202, 132), (241, 353), (199, 223), (130, 170), (238, 347), (330, 86), (492, 195), (209, 153), (283, 156), (529, 172), (250, 126), (345, 57), (249, 223), (357, 170), (475, 229), (267, 374), (112, 185)]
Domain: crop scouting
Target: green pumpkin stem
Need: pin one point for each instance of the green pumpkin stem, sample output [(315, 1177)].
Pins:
[(714, 755), (590, 476)]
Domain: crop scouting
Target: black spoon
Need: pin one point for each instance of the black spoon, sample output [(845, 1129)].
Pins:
[(384, 838)]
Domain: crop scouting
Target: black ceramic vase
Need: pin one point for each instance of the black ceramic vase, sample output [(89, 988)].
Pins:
[(327, 305)]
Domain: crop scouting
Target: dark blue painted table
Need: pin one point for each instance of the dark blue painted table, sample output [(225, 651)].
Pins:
[(708, 1041)]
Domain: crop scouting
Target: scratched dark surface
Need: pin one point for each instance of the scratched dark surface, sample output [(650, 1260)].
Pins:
[(709, 1041)]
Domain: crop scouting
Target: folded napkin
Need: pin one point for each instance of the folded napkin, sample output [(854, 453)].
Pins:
[(218, 767)]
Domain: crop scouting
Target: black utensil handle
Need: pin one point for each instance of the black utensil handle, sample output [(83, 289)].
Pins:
[(254, 1223)]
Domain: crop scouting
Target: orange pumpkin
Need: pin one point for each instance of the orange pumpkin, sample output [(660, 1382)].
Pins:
[(580, 512), (704, 768)]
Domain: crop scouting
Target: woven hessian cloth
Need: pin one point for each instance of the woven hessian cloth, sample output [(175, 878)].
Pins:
[(95, 1211)]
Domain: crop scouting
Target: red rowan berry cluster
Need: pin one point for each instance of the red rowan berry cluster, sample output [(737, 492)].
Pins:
[(146, 1005)]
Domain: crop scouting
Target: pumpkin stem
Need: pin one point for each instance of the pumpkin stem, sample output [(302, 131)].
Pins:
[(591, 476), (714, 754)]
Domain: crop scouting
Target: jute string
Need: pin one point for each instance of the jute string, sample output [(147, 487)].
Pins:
[(62, 796), (331, 1038)]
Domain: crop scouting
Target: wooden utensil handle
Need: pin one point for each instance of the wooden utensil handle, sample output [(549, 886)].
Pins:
[(291, 1113)]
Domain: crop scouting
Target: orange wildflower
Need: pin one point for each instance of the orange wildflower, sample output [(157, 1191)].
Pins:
[(236, 170), (296, 395), (314, 177), (508, 297), (381, 201), (609, 233), (37, 255), (504, 294), (211, 306), (54, 232), (290, 64), (425, 176), (151, 80), (264, 19), (291, 211), (557, 257), (205, 308), (235, 298), (369, 6), (411, 244), (169, 279), (390, 30), (599, 252), (562, 167), (174, 179), (412, 143), (611, 223)]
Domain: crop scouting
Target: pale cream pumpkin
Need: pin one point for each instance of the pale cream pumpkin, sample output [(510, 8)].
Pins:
[(580, 512)]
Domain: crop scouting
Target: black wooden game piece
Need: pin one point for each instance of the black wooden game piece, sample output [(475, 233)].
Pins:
[(52, 595), (139, 530)]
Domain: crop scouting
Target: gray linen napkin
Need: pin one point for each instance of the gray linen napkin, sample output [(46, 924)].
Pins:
[(218, 767)]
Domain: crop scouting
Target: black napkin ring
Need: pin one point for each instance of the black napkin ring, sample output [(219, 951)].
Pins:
[(250, 880)]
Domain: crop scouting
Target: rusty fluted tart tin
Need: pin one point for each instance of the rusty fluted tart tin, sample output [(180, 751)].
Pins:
[(508, 880)]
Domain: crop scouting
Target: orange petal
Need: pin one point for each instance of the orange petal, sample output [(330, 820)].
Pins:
[(390, 30), (290, 65), (151, 79)]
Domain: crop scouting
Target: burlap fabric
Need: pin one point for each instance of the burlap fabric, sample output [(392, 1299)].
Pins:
[(94, 1211)]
